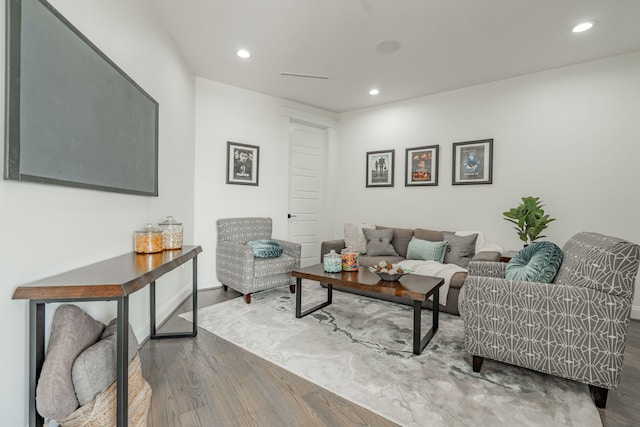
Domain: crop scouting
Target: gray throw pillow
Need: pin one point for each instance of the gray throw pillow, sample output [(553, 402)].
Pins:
[(461, 249), (72, 331), (401, 239), (94, 370), (379, 242)]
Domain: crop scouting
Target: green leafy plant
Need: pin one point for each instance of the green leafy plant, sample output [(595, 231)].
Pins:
[(529, 219)]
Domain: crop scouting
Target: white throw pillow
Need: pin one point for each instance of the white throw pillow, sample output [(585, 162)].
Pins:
[(354, 237)]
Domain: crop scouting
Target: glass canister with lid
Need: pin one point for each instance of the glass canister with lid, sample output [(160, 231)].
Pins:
[(349, 259), (332, 262), (148, 240), (171, 233)]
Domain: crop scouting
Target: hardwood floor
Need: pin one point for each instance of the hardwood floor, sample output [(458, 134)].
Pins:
[(208, 381)]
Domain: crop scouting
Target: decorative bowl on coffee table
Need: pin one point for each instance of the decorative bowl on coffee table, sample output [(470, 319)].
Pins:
[(389, 277)]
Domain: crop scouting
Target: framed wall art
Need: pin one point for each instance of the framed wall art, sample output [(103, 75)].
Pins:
[(473, 162), (243, 163), (380, 168), (421, 166)]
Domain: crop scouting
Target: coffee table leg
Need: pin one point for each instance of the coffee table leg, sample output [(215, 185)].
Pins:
[(299, 312), (298, 297), (420, 343)]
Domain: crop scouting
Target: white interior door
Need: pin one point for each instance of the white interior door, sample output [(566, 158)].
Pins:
[(307, 147)]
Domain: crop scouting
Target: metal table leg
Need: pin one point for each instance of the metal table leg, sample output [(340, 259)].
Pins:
[(36, 357), (122, 377), (419, 343), (299, 312)]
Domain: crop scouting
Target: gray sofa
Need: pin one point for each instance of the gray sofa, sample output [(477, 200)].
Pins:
[(574, 327), (400, 242)]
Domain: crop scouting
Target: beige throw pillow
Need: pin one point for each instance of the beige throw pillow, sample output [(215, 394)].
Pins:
[(354, 237)]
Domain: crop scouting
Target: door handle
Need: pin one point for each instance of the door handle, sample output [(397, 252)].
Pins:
[(291, 216)]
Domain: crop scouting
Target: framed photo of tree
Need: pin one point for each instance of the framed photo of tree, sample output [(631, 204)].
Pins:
[(243, 163), (473, 162), (380, 168), (421, 166)]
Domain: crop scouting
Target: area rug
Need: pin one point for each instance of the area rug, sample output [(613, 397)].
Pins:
[(361, 349)]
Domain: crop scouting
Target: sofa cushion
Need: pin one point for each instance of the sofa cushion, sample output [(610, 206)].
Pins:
[(430, 235), (354, 237), (401, 239), (72, 331), (265, 248), (460, 250), (538, 262), (95, 368), (426, 250), (379, 242)]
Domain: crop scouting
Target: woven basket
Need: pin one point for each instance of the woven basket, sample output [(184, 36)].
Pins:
[(101, 412)]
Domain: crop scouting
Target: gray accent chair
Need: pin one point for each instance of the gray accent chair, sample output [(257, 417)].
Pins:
[(575, 327), (236, 266)]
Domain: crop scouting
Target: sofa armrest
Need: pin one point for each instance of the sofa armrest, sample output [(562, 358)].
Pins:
[(327, 245), (490, 256), (487, 269), (292, 249)]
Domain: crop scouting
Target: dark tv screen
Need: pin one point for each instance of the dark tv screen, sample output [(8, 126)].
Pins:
[(73, 117)]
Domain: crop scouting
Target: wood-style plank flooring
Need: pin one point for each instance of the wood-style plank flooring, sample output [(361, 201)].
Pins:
[(208, 381)]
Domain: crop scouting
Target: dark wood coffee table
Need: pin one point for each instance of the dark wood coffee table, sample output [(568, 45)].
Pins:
[(413, 287)]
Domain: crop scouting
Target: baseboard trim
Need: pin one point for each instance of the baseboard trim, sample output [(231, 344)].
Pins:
[(635, 312)]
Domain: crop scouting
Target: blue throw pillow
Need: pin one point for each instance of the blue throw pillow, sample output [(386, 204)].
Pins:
[(265, 248), (538, 262), (426, 250)]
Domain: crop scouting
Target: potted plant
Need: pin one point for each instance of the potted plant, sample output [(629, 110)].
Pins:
[(529, 219)]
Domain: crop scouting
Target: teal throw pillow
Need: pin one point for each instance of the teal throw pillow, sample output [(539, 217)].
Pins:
[(538, 262), (426, 250), (265, 248)]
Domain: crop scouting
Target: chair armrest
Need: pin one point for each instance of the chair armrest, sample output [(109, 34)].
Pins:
[(234, 263), (490, 256), (327, 245), (294, 250), (487, 269)]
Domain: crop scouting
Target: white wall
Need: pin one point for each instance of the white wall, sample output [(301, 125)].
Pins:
[(227, 113), (48, 229), (569, 136)]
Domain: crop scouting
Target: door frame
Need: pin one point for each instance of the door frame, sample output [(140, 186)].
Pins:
[(327, 122)]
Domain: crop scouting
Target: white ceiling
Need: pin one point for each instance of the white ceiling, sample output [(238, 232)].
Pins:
[(445, 44)]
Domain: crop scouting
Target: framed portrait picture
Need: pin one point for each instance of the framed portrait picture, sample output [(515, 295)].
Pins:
[(380, 168), (473, 162), (243, 163), (421, 166)]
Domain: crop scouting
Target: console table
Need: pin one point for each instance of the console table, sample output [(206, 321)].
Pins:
[(112, 279)]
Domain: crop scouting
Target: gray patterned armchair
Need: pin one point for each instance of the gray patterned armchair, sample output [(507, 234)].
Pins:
[(236, 266), (575, 327)]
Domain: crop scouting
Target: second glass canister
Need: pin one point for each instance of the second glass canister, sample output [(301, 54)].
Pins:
[(171, 233), (349, 259)]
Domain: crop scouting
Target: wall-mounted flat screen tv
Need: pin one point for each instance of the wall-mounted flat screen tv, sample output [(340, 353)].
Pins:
[(73, 117)]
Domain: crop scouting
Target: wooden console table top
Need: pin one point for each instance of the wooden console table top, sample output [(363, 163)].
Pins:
[(112, 278)]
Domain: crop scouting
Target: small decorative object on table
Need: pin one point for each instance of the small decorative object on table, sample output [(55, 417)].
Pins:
[(389, 272), (171, 233), (349, 259), (332, 262), (148, 240)]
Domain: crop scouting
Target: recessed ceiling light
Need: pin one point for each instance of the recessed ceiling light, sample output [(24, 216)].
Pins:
[(244, 54), (374, 92), (583, 26)]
